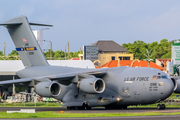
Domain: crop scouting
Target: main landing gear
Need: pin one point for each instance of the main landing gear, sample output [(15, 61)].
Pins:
[(79, 108), (109, 107), (161, 106)]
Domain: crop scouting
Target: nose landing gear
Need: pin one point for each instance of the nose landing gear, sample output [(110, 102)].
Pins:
[(161, 106)]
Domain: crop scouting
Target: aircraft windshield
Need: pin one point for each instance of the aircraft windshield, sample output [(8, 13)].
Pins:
[(164, 77), (155, 77)]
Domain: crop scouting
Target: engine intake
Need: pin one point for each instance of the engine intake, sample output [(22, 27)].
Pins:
[(48, 89), (176, 85), (92, 85)]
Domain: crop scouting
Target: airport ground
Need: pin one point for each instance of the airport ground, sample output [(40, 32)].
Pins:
[(174, 117), (173, 108), (53, 112), (93, 110)]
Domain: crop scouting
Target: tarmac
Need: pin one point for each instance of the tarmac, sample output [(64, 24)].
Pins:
[(165, 117), (93, 110), (101, 110)]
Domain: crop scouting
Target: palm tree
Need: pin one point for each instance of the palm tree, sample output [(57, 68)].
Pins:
[(148, 55)]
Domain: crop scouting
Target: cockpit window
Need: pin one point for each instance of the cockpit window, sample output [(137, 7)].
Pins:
[(154, 77), (158, 77), (164, 77)]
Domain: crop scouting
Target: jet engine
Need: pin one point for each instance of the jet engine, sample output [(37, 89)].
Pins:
[(177, 86), (92, 85), (48, 89)]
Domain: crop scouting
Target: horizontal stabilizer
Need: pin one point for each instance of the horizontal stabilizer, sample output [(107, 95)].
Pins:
[(40, 24), (11, 23)]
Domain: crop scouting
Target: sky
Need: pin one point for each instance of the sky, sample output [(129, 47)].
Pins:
[(84, 22)]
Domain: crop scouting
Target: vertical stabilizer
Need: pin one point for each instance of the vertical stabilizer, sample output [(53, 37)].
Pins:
[(25, 42)]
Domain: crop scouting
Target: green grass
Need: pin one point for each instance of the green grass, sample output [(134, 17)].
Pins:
[(39, 104), (43, 104), (67, 115), (173, 96)]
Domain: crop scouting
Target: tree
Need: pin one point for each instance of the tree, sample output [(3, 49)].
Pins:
[(13, 55), (159, 50), (47, 54), (148, 56), (137, 48)]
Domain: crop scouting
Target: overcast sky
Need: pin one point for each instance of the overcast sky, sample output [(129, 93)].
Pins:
[(83, 22)]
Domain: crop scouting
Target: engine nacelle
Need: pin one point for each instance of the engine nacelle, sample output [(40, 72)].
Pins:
[(177, 88), (92, 85), (48, 89)]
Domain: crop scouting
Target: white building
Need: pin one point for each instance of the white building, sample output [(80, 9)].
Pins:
[(39, 37)]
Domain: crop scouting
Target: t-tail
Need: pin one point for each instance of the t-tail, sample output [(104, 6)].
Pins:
[(25, 41)]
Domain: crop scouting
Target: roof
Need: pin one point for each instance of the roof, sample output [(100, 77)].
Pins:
[(96, 66), (141, 63), (74, 59), (164, 60), (109, 46)]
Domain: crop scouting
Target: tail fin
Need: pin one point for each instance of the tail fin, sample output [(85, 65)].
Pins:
[(25, 42)]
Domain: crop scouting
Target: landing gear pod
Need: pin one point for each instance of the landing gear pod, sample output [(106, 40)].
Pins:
[(48, 89), (92, 85)]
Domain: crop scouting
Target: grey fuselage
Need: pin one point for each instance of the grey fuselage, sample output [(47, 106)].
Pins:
[(132, 85)]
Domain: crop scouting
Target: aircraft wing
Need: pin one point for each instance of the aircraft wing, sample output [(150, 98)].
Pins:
[(64, 79), (24, 80)]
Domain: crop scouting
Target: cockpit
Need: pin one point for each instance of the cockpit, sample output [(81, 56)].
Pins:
[(156, 77)]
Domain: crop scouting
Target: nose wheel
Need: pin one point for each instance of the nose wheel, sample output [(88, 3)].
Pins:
[(161, 106)]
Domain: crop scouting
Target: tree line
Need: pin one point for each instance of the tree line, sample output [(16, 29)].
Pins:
[(56, 55), (157, 50), (140, 49)]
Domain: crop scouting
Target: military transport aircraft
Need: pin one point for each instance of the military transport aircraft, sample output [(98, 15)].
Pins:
[(78, 88)]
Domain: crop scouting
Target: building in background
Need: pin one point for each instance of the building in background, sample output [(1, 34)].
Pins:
[(39, 37), (110, 50), (131, 63), (163, 63), (90, 53), (176, 52)]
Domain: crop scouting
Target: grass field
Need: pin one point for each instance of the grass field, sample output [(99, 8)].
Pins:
[(47, 104), (50, 114), (31, 104), (66, 115), (173, 96)]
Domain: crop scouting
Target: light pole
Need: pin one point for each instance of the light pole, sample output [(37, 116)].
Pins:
[(50, 48)]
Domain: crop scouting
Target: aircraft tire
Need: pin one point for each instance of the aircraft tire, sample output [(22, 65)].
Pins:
[(88, 108), (76, 108), (70, 108), (124, 107), (79, 108), (163, 106), (159, 107), (107, 107)]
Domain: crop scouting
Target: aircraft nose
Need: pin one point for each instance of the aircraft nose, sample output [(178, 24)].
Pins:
[(168, 87)]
